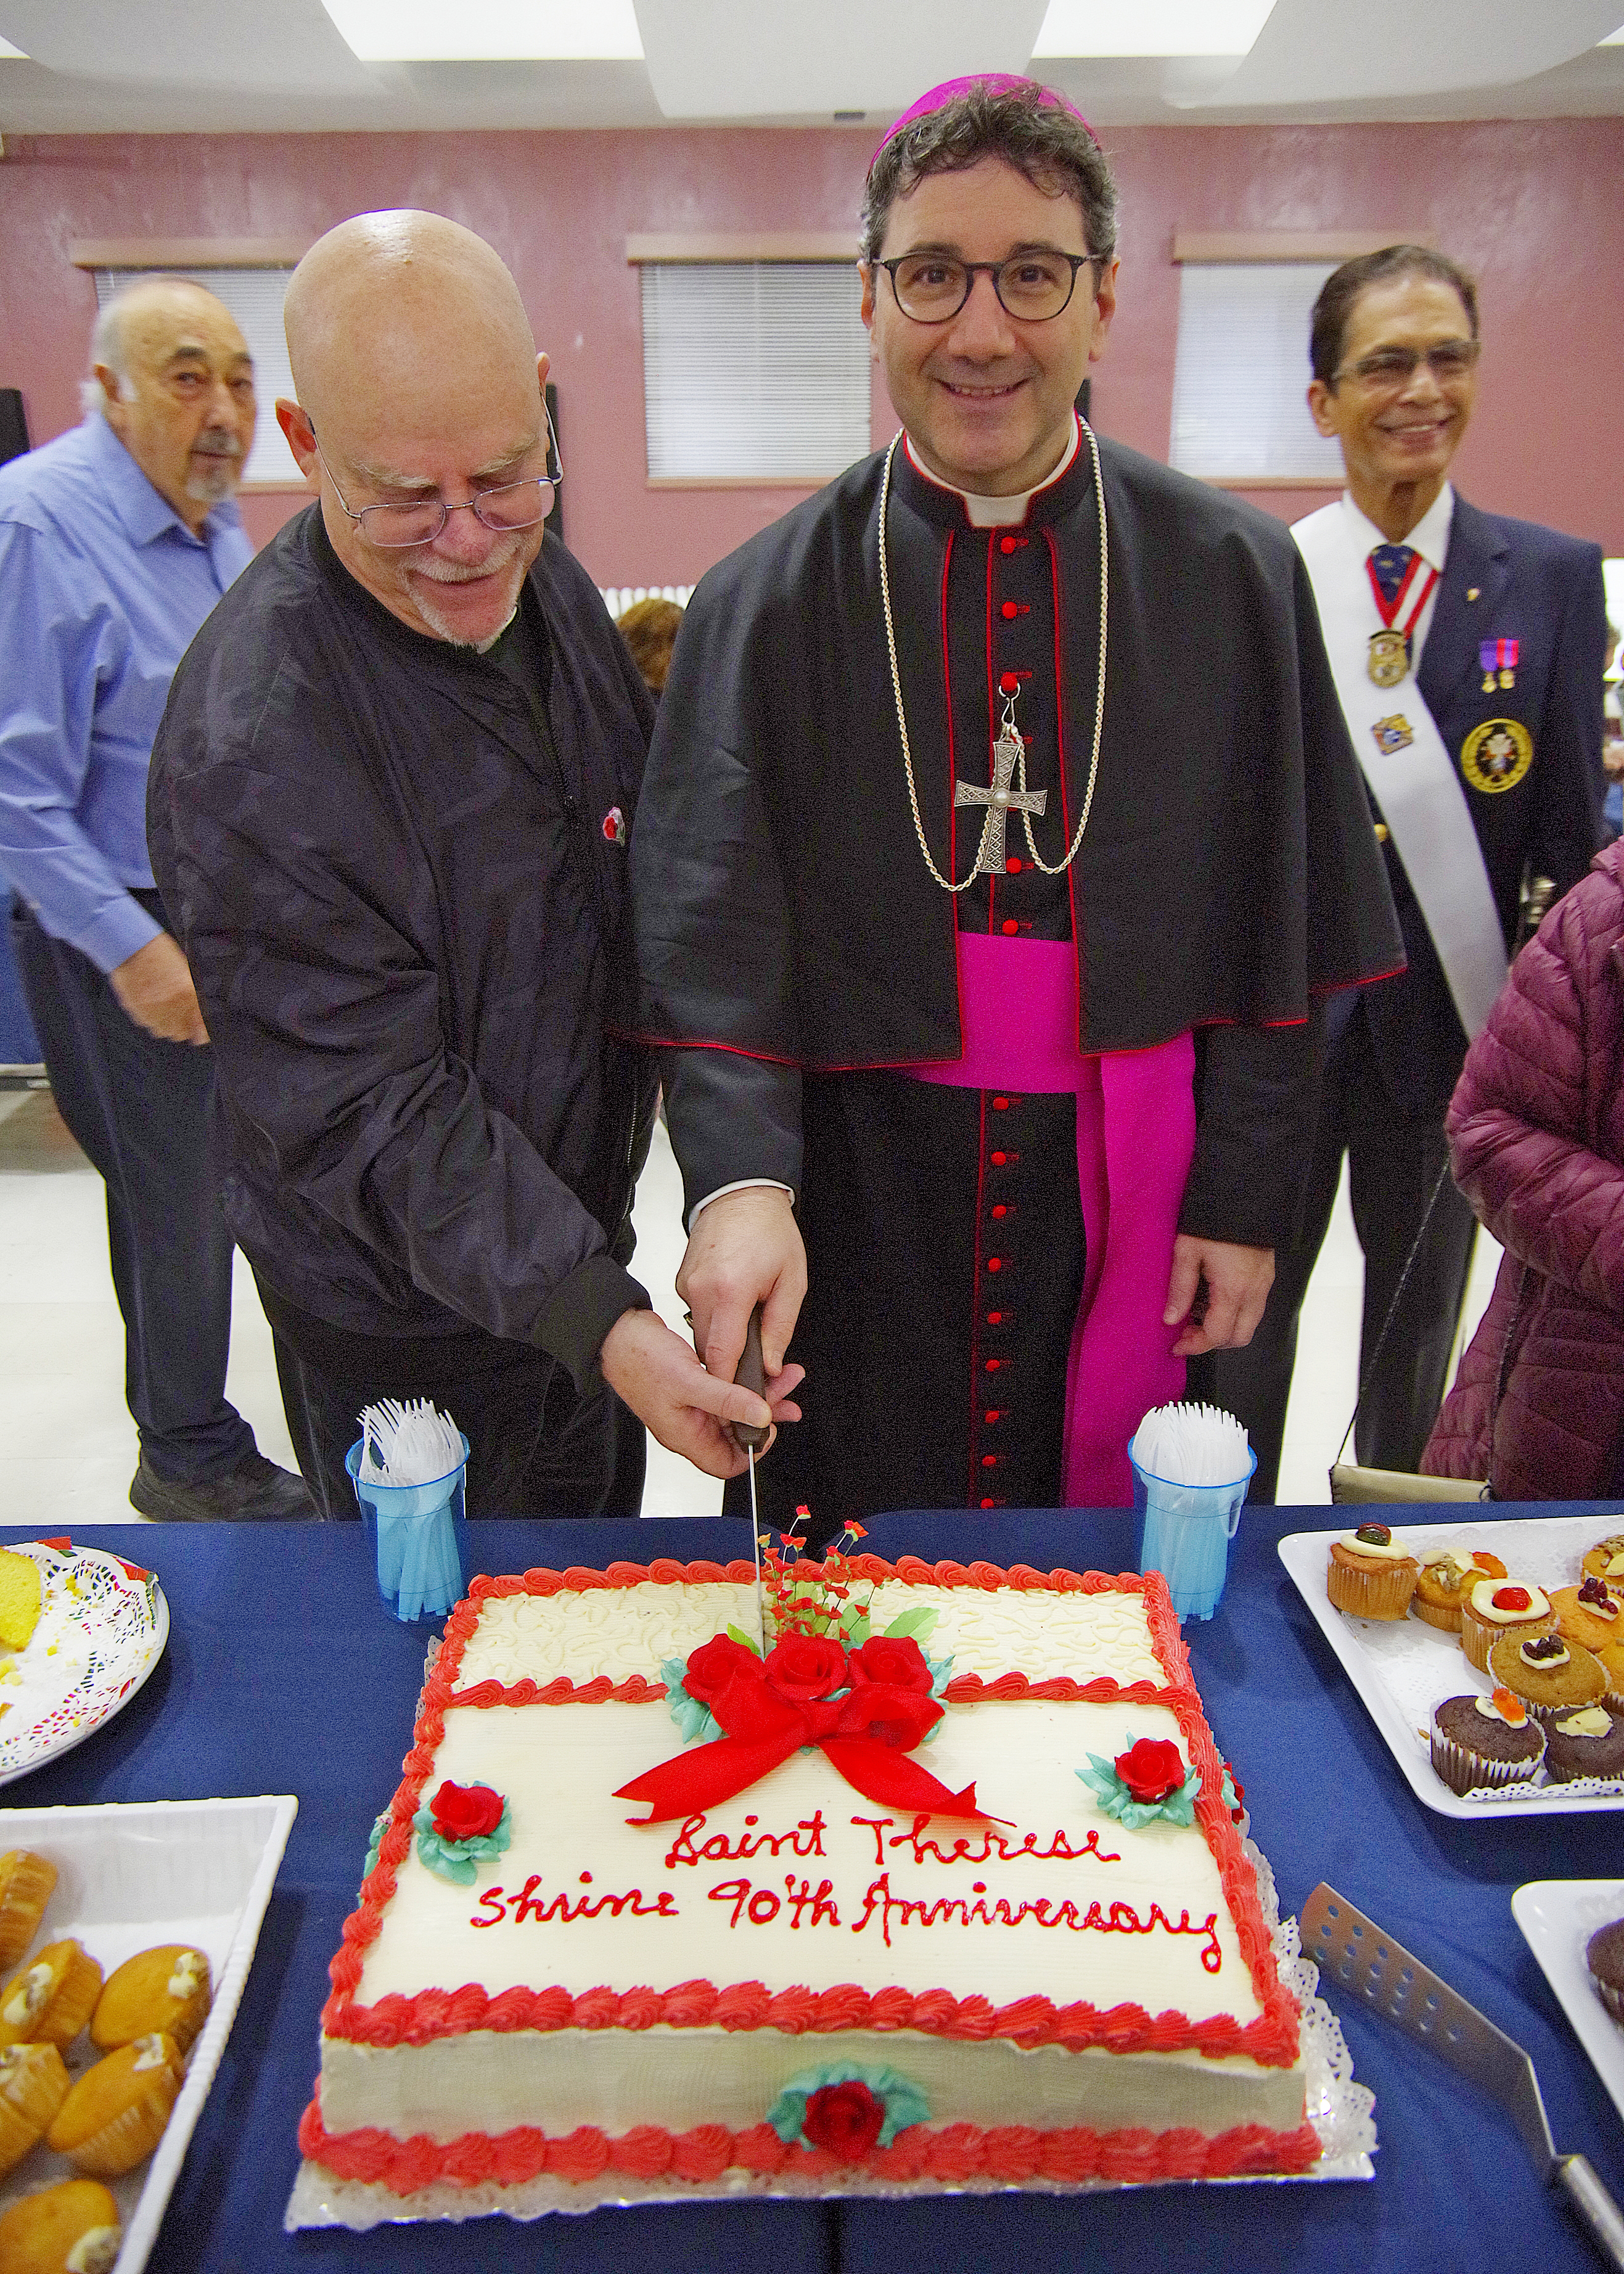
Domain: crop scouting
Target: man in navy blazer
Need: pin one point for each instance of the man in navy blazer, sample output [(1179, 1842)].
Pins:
[(1491, 632)]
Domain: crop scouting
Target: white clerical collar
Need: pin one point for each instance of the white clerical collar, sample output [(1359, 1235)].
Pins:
[(1430, 537), (997, 512)]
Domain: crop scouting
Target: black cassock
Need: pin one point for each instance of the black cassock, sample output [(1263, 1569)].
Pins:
[(795, 947)]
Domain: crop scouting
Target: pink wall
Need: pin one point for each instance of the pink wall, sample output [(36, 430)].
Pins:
[(1534, 208)]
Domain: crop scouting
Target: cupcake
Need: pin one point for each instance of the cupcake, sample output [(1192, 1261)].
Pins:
[(1611, 1659), (26, 1884), (164, 1989), (1591, 1613), (1492, 1609), (114, 2116), (34, 2084), (1440, 1587), (1604, 1955), (1587, 1742), (74, 2225), (1605, 1560), (1549, 1674), (1369, 1576), (53, 1998), (1486, 1741)]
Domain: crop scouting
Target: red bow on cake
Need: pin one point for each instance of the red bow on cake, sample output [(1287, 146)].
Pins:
[(770, 1709)]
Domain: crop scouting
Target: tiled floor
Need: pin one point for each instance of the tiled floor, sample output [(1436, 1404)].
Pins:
[(67, 1444)]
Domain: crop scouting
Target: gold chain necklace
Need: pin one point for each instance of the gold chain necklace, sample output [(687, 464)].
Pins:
[(1009, 792)]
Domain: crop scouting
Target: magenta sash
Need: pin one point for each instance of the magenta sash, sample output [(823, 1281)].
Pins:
[(1135, 1141)]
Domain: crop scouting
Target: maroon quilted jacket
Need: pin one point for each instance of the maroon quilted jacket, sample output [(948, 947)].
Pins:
[(1536, 1136)]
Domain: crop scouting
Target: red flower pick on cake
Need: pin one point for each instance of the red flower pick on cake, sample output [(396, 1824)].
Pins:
[(1151, 1769), (466, 1812), (897, 1660), (844, 2118), (804, 1666)]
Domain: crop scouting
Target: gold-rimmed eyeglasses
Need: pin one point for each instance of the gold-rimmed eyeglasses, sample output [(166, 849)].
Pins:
[(511, 505)]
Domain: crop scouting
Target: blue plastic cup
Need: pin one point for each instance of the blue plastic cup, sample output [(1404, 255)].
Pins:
[(419, 1536), (1186, 1533)]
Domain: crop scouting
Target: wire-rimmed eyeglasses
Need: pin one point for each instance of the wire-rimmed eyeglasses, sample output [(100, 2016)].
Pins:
[(1032, 287), (512, 505)]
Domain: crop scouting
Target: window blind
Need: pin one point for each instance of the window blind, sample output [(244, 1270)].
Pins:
[(754, 370), (254, 296), (1242, 371)]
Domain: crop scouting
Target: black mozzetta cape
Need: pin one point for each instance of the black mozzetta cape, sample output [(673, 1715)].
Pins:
[(1228, 876)]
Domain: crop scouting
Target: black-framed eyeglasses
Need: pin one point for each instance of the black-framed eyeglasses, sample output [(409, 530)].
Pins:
[(1032, 287), (511, 505), (1451, 359)]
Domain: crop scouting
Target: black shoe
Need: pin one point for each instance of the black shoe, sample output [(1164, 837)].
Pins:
[(256, 1491)]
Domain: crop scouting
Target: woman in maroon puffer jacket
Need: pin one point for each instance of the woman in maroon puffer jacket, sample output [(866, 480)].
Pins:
[(1535, 1134)]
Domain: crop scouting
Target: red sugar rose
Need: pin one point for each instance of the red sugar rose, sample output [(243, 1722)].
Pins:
[(804, 1666), (895, 1660), (844, 2117), (466, 1812), (1151, 1769), (901, 1718), (714, 1665)]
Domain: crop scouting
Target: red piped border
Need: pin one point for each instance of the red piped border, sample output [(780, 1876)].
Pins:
[(954, 2153), (1271, 2039)]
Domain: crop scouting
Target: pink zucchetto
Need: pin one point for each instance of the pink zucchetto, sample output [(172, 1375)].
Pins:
[(995, 83)]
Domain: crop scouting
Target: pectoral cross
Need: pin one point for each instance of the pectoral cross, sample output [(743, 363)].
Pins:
[(1000, 801)]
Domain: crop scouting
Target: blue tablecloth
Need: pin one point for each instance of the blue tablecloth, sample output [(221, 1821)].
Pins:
[(284, 1675)]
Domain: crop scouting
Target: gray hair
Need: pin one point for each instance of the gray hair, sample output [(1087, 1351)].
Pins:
[(107, 344)]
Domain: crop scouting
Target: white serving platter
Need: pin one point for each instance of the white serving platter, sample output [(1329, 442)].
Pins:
[(197, 1871), (1558, 1917), (102, 1627), (1403, 1668)]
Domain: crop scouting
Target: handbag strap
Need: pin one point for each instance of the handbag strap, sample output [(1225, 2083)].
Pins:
[(1398, 1296)]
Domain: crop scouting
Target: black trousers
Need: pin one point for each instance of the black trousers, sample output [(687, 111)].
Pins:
[(140, 1108), (1394, 1163), (535, 1448)]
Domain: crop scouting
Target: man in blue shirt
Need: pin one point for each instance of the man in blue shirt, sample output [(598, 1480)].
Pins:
[(116, 540)]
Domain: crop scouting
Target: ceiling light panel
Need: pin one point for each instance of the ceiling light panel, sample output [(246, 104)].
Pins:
[(1151, 28), (488, 31), (9, 54)]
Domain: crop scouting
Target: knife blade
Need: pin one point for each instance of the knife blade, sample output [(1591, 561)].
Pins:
[(752, 1372), (1353, 1951)]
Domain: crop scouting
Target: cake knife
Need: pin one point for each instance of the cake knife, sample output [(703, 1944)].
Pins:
[(1356, 1953), (752, 1372)]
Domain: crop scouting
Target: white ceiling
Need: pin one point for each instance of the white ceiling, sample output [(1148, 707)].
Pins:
[(169, 66)]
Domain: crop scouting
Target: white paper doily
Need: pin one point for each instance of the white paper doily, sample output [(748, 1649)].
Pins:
[(1341, 2111)]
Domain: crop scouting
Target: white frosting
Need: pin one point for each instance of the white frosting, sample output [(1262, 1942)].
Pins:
[(1483, 1603), (27, 2000), (816, 1914), (149, 2053), (95, 2251), (1385, 1551), (1491, 1712), (1588, 1721), (191, 1969)]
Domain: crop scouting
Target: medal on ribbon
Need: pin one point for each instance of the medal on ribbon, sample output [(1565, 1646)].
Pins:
[(1399, 605), (1496, 659)]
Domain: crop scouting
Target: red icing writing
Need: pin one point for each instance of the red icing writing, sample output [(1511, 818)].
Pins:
[(760, 1906), (993, 1847), (955, 1910), (529, 1904), (806, 1838)]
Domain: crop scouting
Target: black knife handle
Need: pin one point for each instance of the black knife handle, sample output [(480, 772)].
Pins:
[(1594, 2206), (752, 1372)]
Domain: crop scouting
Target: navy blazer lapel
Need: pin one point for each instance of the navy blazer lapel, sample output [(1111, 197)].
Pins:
[(1479, 561)]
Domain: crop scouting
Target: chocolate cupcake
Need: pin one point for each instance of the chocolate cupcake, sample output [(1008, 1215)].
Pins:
[(1604, 1955), (1370, 1576), (1587, 1742), (1551, 1675), (1486, 1741)]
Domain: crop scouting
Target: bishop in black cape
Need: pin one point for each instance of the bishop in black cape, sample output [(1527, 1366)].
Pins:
[(798, 957)]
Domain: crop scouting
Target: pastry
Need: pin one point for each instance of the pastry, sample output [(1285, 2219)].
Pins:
[(34, 2084), (51, 2000), (165, 1990), (1604, 1955), (1486, 1741), (1370, 1576), (1605, 1560), (1551, 1675), (1440, 1586), (1494, 1607), (1587, 1742), (71, 2229), (114, 2115), (26, 1885), (1591, 1613), (19, 1598)]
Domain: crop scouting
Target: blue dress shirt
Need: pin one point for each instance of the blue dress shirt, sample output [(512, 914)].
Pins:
[(102, 589)]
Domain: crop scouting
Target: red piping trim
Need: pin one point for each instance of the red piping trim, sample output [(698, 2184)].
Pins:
[(971, 1494), (992, 709), (1079, 942)]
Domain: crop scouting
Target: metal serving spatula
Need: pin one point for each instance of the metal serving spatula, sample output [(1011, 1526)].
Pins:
[(1353, 1951)]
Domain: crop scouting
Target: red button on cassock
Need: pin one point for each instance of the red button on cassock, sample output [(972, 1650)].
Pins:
[(991, 1415), (1006, 545), (993, 1363), (1009, 927), (989, 1503), (995, 1318), (1008, 682), (995, 1263), (1009, 611), (999, 1159), (990, 1460), (1013, 864), (1001, 1105)]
